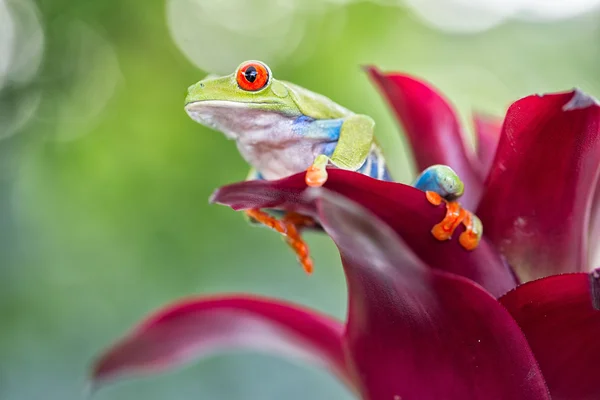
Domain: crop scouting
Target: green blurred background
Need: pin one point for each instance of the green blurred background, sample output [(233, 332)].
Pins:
[(104, 180)]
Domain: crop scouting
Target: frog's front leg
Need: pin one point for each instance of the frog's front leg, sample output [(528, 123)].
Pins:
[(351, 151), (441, 184)]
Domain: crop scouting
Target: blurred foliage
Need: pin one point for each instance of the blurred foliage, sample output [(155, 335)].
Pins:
[(103, 190)]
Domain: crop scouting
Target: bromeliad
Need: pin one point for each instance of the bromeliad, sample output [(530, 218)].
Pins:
[(426, 321), (282, 129)]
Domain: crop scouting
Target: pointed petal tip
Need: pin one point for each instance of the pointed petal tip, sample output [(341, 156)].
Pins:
[(370, 69), (580, 100), (195, 328), (89, 389), (379, 73), (213, 196), (400, 78)]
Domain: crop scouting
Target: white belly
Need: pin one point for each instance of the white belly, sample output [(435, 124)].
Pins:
[(278, 160), (265, 139)]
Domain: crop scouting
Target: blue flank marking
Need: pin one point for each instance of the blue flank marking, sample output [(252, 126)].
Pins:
[(326, 129), (375, 168), (387, 176)]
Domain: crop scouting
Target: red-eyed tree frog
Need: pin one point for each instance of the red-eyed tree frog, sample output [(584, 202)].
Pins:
[(282, 129)]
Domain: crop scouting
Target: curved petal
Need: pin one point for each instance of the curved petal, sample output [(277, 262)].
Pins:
[(536, 202), (431, 126), (200, 327), (402, 207), (417, 333), (487, 132), (558, 317), (594, 238)]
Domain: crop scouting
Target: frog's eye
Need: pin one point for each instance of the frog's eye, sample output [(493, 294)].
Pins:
[(253, 76)]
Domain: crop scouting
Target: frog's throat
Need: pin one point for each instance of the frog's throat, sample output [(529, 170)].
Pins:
[(234, 118)]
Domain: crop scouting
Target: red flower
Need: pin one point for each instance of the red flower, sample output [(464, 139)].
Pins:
[(428, 319)]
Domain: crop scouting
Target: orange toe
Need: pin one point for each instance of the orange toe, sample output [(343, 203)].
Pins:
[(470, 238), (454, 216), (289, 227), (433, 198), (316, 176), (298, 245)]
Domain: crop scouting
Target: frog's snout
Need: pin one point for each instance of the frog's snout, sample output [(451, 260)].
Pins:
[(195, 87), (193, 92)]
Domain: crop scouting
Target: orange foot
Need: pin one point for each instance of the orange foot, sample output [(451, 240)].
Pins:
[(316, 176), (455, 215), (470, 238), (290, 227)]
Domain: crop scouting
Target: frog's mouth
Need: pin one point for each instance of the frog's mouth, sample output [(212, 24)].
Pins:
[(233, 118)]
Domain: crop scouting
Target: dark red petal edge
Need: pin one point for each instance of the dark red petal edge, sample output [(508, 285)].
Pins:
[(561, 319), (402, 207), (594, 237), (431, 126), (201, 326), (418, 333), (537, 198)]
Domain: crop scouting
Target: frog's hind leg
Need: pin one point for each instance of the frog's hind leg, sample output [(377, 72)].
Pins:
[(290, 226)]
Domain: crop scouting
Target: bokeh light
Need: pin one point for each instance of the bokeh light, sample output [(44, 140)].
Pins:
[(479, 15), (263, 30), (95, 72), (21, 52)]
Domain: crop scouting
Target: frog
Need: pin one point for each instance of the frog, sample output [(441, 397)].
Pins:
[(282, 129)]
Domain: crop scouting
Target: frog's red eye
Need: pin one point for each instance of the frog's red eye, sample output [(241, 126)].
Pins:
[(252, 76)]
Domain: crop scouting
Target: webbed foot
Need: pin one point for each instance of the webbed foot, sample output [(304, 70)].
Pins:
[(316, 174), (455, 215), (470, 238), (290, 227)]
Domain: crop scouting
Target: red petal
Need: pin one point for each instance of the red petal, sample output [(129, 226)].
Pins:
[(402, 207), (417, 333), (431, 126), (487, 131), (594, 238), (562, 326), (536, 202), (199, 327)]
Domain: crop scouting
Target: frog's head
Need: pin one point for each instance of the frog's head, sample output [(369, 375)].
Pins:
[(233, 103), (449, 182)]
